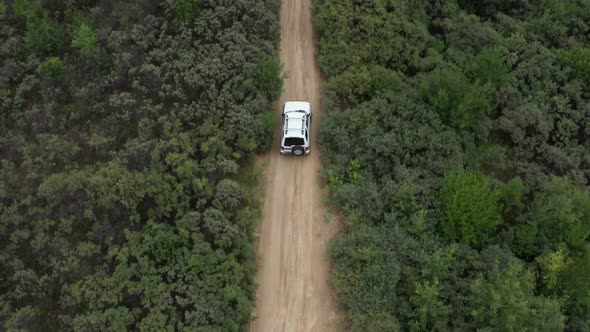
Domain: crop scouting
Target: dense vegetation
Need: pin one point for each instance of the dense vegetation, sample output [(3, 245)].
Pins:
[(457, 146), (123, 125)]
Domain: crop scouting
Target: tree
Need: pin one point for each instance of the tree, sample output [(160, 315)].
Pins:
[(432, 314), (470, 211), (85, 39), (502, 299), (489, 66), (418, 89), (460, 103), (561, 215), (119, 208), (44, 35), (572, 284)]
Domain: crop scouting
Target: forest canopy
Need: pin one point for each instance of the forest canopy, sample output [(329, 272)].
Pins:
[(456, 143), (123, 126)]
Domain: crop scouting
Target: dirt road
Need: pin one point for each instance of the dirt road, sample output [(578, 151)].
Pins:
[(293, 293)]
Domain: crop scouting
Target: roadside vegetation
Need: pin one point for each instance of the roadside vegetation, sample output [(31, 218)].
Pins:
[(456, 143), (123, 127)]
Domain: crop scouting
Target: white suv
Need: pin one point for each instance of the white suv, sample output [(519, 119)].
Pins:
[(296, 125)]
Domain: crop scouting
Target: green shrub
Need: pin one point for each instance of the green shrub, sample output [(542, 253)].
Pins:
[(459, 102), (2, 10), (269, 77), (562, 213), (53, 68), (269, 126), (579, 62), (22, 7), (44, 35), (187, 10), (470, 209), (489, 66), (503, 299), (85, 39)]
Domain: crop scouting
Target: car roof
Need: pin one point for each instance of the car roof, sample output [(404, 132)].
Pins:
[(295, 123), (292, 106)]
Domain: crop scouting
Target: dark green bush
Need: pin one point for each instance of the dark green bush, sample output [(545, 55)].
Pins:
[(44, 35), (497, 87), (119, 208)]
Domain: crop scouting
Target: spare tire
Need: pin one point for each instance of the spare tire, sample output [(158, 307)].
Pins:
[(298, 150)]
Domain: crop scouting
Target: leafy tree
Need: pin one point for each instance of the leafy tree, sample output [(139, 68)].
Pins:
[(572, 285), (561, 214), (417, 89), (53, 68), (269, 76), (2, 10), (577, 60), (431, 311), (119, 208), (489, 66), (470, 210), (187, 10), (44, 35), (458, 102), (552, 265), (85, 39), (367, 273), (503, 300)]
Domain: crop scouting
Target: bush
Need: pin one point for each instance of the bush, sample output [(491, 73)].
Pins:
[(269, 76), (459, 103), (562, 213), (2, 10), (187, 10), (53, 68), (85, 39), (268, 125), (579, 62), (470, 211), (44, 35), (489, 66), (504, 300)]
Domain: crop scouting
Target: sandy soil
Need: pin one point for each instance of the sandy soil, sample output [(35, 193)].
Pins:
[(295, 231)]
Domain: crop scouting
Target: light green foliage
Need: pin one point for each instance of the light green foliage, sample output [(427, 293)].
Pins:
[(22, 7), (269, 76), (267, 126), (2, 10), (579, 62), (470, 211), (430, 310), (503, 300), (187, 10), (489, 66), (562, 213), (53, 68), (85, 39), (572, 285), (44, 35), (552, 265)]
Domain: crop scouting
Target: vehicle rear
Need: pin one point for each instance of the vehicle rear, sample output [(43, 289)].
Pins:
[(295, 145)]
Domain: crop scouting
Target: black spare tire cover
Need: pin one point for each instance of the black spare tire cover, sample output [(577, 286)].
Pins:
[(297, 150)]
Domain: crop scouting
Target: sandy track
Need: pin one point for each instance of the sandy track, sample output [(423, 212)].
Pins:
[(294, 294)]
